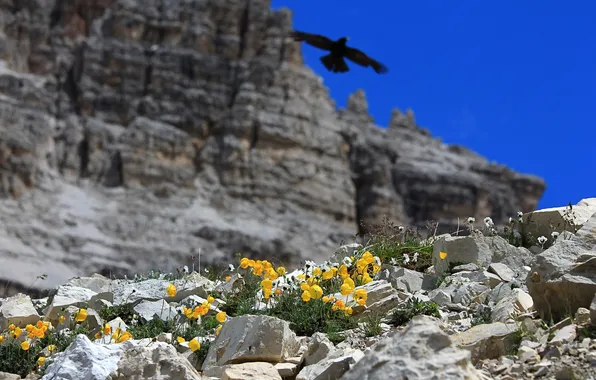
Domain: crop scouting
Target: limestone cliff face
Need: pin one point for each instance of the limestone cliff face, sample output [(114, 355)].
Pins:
[(134, 133)]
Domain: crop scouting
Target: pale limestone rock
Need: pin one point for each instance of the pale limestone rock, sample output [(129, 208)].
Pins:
[(68, 296), (566, 334), (538, 222), (564, 276), (503, 271), (250, 338), (149, 310), (251, 371), (332, 367), (156, 361), (515, 303), (487, 341), (18, 310), (421, 351), (287, 369)]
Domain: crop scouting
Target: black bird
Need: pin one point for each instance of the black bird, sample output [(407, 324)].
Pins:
[(334, 61)]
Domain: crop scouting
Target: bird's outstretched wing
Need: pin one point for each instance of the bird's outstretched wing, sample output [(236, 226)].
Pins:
[(362, 59), (315, 40)]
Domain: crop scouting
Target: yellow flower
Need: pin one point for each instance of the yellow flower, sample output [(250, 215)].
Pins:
[(244, 263), (443, 255), (278, 291), (1, 338), (228, 278), (194, 344), (301, 276), (338, 305), (171, 290), (348, 311), (221, 317), (125, 336), (368, 257), (281, 271), (271, 274), (218, 329), (345, 289), (180, 339), (17, 332), (366, 278), (304, 286), (11, 327), (51, 347), (317, 271), (41, 360), (210, 299), (266, 284), (306, 296), (316, 292), (81, 315), (107, 329), (325, 299), (62, 319), (25, 345), (328, 275), (376, 269), (98, 335), (29, 327), (258, 268)]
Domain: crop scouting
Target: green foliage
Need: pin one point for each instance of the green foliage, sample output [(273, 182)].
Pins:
[(372, 324), (412, 308), (481, 316), (306, 318), (391, 242), (124, 311), (243, 301), (13, 359)]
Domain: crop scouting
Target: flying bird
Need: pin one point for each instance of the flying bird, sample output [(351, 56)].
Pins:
[(334, 61)]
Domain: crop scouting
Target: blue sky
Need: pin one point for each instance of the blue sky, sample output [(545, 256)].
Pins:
[(512, 80)]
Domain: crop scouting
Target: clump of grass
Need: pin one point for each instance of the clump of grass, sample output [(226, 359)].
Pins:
[(123, 311), (481, 316), (371, 325), (399, 245), (412, 308)]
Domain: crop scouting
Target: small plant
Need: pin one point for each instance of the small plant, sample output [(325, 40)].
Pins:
[(124, 311), (412, 308), (399, 245), (482, 315), (372, 325)]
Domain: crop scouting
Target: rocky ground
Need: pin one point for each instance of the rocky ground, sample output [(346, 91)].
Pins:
[(480, 309)]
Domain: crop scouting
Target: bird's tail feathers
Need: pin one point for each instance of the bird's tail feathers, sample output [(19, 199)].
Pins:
[(335, 64)]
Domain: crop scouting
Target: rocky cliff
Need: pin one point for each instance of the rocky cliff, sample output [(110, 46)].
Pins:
[(134, 134)]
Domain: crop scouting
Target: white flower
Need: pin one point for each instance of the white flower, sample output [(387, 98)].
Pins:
[(489, 222), (406, 258), (510, 220), (231, 267), (415, 258), (542, 240), (554, 234), (206, 270), (400, 228), (520, 214), (393, 261), (377, 260), (471, 220), (185, 268), (347, 261)]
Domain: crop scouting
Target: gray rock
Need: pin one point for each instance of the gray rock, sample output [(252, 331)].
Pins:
[(250, 338), (421, 351), (564, 276)]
